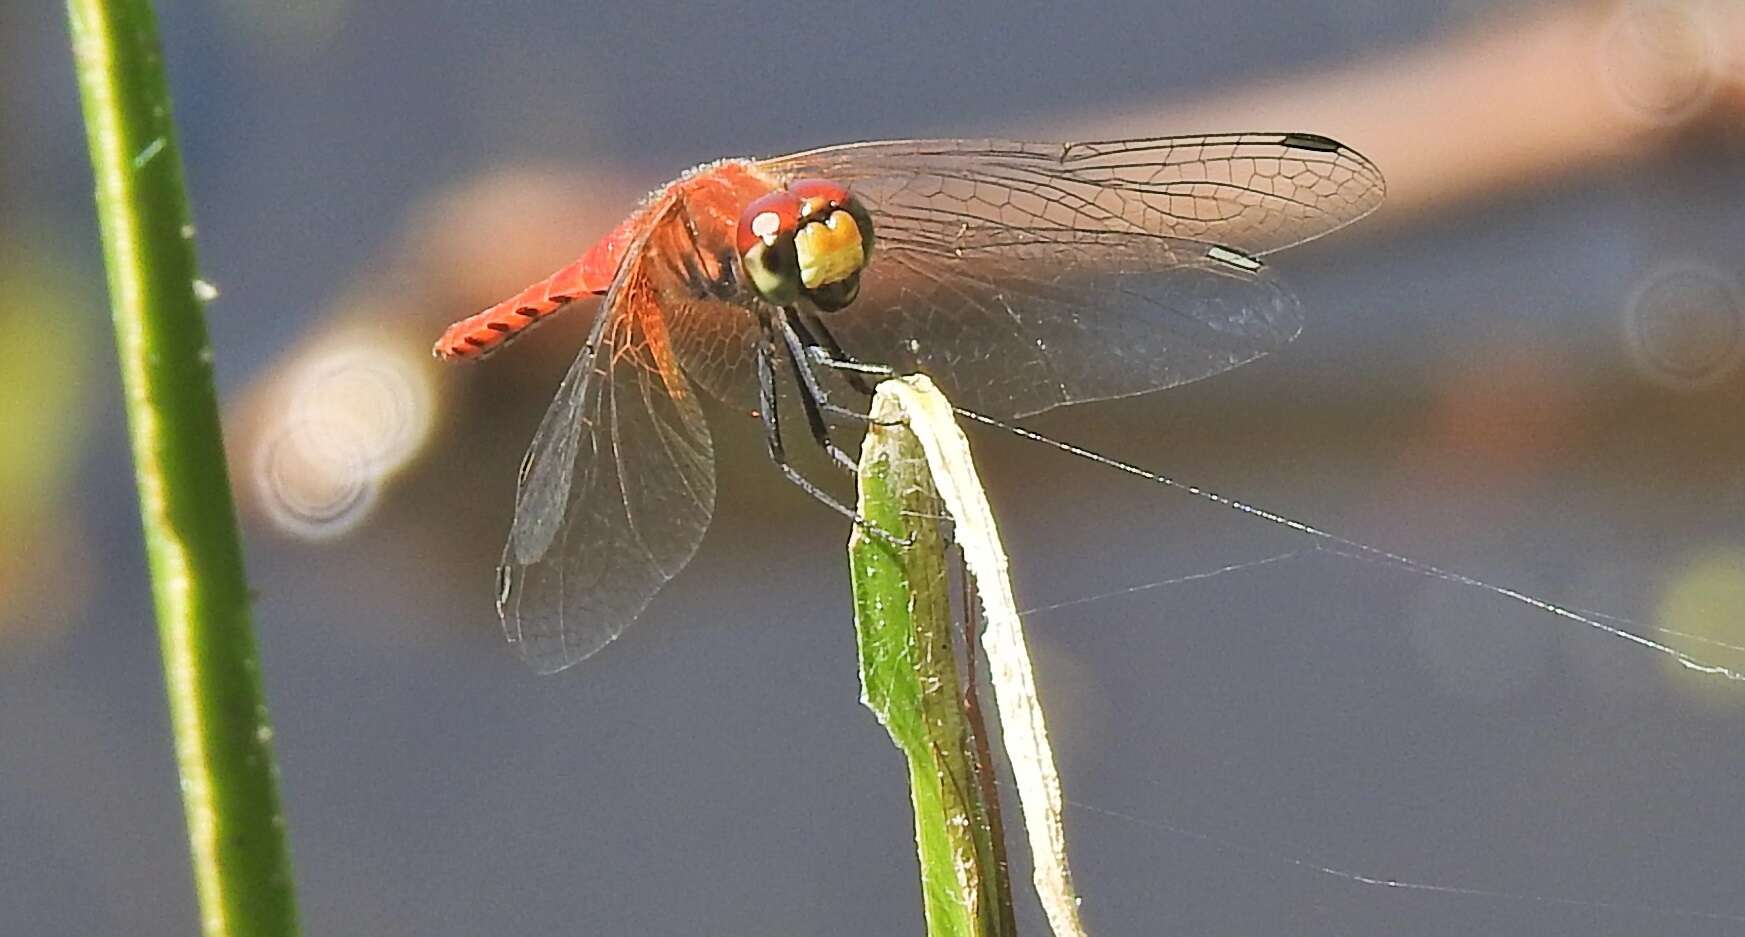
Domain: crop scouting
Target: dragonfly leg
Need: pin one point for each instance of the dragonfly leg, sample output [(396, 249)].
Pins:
[(852, 370), (815, 398), (805, 350), (813, 408), (827, 351), (772, 428)]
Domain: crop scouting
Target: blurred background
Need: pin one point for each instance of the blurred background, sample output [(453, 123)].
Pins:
[(1526, 366)]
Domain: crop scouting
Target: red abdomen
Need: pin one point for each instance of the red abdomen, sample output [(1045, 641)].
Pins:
[(478, 335)]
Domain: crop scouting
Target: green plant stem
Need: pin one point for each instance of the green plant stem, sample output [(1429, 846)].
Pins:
[(909, 678), (242, 868)]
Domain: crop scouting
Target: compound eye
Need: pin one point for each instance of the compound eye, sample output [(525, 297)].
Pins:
[(766, 246)]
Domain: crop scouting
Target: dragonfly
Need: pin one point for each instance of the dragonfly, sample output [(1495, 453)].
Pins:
[(1018, 276)]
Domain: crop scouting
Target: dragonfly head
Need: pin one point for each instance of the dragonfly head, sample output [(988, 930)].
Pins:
[(810, 239)]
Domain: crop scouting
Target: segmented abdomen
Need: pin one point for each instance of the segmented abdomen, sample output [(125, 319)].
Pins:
[(478, 335)]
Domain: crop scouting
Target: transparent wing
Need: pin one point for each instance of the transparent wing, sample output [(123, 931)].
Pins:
[(715, 341), (1255, 192), (615, 493), (1024, 276), (1114, 320)]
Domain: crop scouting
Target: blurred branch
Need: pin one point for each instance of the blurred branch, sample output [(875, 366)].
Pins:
[(223, 741)]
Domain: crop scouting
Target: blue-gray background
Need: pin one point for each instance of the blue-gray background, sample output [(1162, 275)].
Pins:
[(1462, 394)]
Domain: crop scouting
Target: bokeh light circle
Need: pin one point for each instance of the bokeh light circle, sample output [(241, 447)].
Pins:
[(1684, 326), (1702, 612), (1662, 60), (365, 403), (311, 488), (355, 414)]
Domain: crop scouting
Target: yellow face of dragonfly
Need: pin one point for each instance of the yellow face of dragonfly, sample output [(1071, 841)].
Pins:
[(830, 250)]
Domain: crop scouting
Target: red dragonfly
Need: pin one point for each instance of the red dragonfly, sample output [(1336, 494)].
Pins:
[(1019, 276)]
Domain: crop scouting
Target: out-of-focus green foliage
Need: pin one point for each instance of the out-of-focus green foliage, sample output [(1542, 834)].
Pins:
[(44, 418)]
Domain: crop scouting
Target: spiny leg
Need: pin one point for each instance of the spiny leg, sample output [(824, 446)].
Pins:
[(827, 351), (772, 430), (804, 343), (805, 354), (812, 397)]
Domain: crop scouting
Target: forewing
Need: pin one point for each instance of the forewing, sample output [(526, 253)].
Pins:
[(1254, 192), (1025, 276), (616, 492)]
